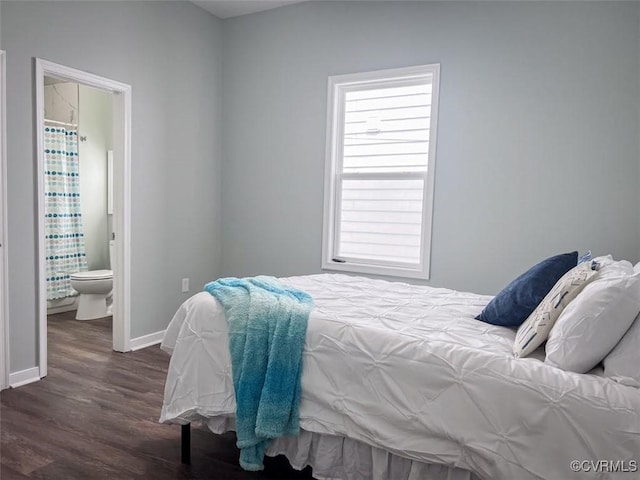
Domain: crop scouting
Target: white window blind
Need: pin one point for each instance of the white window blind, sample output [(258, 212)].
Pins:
[(379, 183)]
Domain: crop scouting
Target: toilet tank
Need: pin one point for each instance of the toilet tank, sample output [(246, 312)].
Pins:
[(112, 249)]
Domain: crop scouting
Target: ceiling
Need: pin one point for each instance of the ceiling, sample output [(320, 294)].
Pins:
[(235, 8)]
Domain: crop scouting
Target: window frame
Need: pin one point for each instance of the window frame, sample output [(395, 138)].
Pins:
[(338, 86)]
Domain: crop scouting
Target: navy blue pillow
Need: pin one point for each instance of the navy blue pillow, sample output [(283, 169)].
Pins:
[(519, 299)]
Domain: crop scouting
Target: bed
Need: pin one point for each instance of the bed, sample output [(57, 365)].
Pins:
[(401, 382)]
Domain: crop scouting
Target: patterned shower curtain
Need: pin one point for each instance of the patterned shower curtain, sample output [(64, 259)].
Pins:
[(64, 237)]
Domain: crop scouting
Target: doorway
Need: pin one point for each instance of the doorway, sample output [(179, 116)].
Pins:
[(119, 224)]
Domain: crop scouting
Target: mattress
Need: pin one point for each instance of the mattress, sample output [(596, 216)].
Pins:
[(407, 369)]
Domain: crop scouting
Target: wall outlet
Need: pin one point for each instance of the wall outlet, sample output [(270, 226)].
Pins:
[(185, 285)]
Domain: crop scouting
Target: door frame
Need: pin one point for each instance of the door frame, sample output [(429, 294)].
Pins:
[(4, 258), (121, 196)]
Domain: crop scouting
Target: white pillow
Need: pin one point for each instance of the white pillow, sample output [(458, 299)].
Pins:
[(604, 260), (533, 332), (591, 325), (623, 363)]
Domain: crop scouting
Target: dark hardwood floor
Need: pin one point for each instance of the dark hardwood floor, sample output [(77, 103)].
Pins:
[(95, 416)]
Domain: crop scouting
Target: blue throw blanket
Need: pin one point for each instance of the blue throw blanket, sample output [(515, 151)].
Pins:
[(267, 328)]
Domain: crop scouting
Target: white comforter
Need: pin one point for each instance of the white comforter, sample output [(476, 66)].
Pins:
[(407, 369)]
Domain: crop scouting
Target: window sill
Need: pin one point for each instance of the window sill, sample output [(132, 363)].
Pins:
[(399, 272)]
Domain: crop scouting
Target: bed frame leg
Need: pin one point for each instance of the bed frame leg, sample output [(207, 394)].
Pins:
[(186, 444)]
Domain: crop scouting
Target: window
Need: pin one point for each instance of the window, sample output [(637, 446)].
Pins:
[(381, 134)]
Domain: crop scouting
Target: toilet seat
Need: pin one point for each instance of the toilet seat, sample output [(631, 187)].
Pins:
[(92, 275)]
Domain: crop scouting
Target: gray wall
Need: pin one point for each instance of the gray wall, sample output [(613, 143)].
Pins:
[(537, 142), (95, 125), (170, 53), (538, 146)]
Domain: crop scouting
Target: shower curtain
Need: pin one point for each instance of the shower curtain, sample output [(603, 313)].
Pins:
[(64, 237)]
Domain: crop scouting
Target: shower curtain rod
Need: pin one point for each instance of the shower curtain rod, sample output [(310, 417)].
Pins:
[(61, 123)]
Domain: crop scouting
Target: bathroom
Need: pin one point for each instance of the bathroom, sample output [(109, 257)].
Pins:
[(79, 119)]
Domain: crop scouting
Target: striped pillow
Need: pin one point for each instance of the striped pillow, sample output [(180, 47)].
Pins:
[(534, 331), (585, 257)]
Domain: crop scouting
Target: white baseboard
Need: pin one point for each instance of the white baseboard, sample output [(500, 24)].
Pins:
[(62, 305), (146, 340), (65, 309), (23, 377)]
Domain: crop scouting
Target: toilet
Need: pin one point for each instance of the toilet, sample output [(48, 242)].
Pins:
[(94, 287)]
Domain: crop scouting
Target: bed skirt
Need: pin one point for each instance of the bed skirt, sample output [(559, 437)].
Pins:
[(338, 458)]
